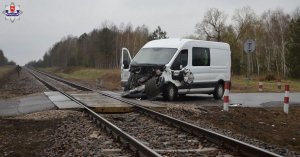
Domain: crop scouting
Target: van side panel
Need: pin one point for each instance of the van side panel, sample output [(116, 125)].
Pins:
[(219, 57), (207, 77), (220, 64)]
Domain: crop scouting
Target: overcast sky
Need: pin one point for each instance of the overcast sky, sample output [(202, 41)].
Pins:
[(45, 22)]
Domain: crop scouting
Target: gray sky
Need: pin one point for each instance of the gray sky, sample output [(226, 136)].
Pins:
[(45, 22)]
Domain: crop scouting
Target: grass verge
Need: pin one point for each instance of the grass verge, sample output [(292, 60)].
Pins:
[(110, 77), (5, 69), (242, 85)]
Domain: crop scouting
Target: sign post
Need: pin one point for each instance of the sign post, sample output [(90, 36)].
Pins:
[(249, 47)]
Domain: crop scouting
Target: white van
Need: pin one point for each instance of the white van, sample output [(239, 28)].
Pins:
[(175, 67)]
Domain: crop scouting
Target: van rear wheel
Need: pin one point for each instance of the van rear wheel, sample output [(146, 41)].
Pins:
[(219, 91), (170, 93)]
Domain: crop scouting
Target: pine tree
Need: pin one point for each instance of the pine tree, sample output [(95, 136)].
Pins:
[(3, 59), (293, 55), (158, 34)]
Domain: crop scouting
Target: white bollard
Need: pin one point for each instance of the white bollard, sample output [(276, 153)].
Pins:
[(226, 97), (286, 99), (260, 86)]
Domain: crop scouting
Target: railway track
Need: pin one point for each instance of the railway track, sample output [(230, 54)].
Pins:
[(142, 132)]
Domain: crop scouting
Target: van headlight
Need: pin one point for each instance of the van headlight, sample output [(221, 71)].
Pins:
[(158, 72)]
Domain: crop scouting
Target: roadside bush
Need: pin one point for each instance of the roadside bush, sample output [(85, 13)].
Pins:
[(270, 77)]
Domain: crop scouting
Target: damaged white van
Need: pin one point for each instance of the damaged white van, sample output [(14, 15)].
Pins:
[(175, 67)]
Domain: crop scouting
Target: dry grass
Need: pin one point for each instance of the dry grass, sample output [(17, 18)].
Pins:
[(110, 77), (5, 69), (241, 84)]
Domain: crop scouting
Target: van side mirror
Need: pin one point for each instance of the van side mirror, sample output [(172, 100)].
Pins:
[(180, 67)]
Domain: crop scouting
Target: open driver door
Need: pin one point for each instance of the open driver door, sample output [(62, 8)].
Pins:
[(125, 64)]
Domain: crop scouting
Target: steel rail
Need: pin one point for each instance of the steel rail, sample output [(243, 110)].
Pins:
[(232, 144), (136, 146)]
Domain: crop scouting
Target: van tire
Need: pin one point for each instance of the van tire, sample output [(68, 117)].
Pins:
[(170, 92), (128, 84), (219, 91)]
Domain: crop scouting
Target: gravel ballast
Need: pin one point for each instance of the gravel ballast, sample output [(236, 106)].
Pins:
[(56, 133)]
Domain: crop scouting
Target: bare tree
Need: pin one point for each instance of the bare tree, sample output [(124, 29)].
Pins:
[(243, 19), (296, 13), (213, 25), (276, 24)]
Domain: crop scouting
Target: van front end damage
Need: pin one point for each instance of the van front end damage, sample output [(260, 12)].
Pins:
[(149, 80), (144, 80)]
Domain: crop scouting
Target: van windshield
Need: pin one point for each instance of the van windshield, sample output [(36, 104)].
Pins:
[(154, 56)]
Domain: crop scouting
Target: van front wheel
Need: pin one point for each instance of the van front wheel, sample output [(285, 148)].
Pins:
[(219, 91), (170, 93)]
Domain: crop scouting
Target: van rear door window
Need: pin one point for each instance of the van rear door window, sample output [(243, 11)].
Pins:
[(201, 56)]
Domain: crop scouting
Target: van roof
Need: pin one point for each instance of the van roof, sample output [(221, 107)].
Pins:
[(177, 43)]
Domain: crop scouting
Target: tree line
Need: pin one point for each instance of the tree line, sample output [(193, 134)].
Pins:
[(4, 60), (275, 32), (101, 48)]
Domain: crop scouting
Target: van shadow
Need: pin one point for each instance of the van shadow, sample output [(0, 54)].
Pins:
[(191, 98)]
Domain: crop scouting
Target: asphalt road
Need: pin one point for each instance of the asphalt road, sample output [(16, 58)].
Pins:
[(254, 99), (263, 99), (41, 102), (243, 99), (24, 105)]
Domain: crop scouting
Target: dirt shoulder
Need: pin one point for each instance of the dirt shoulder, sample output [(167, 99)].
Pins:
[(14, 85), (28, 135)]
